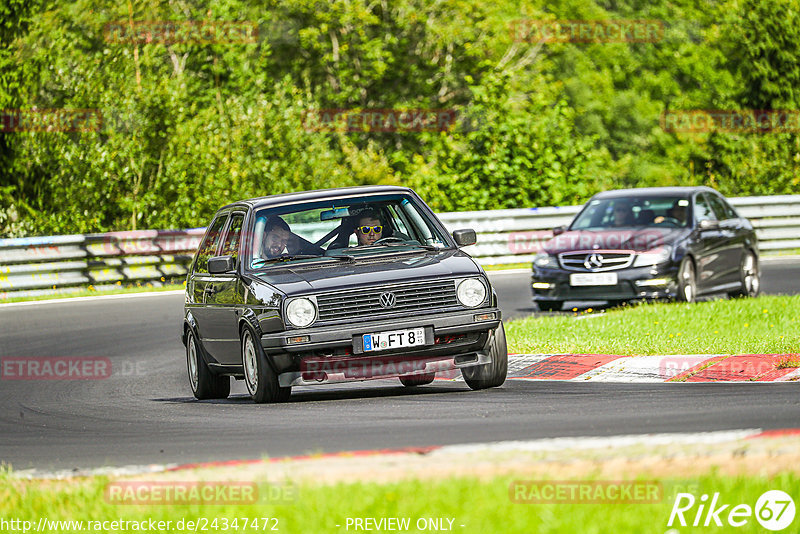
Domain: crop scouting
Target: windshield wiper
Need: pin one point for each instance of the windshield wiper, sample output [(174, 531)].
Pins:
[(290, 257), (284, 257), (407, 244)]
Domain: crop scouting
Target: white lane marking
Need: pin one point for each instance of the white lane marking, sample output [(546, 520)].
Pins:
[(644, 368), (94, 298), (518, 362), (559, 444), (548, 444), (128, 470), (790, 377)]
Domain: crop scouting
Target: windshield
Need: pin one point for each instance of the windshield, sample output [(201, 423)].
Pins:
[(343, 229), (631, 212)]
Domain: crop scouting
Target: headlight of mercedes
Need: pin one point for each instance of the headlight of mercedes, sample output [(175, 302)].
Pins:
[(653, 257), (545, 260), (301, 312), (471, 292)]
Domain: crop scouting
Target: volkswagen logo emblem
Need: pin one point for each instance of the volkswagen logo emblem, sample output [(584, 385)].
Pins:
[(593, 261), (388, 300)]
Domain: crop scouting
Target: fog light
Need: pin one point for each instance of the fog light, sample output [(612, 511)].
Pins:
[(653, 282), (485, 316), (542, 285), (298, 339)]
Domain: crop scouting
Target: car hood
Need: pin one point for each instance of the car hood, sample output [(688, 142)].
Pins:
[(639, 239), (390, 268)]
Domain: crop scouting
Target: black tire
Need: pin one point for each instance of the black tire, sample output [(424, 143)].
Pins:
[(417, 380), (687, 281), (750, 276), (550, 305), (204, 383), (259, 377), (492, 374)]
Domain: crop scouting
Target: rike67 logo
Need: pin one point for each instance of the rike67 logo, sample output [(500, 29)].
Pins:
[(774, 510)]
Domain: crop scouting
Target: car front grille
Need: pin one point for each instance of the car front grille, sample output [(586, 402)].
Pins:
[(408, 298), (594, 261)]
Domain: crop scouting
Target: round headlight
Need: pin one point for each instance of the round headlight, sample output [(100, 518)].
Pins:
[(301, 312), (471, 292)]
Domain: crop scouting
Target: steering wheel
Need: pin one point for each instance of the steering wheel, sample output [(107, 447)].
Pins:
[(390, 239), (671, 221)]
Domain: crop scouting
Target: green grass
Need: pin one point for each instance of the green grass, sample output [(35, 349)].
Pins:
[(479, 505), (506, 266), (93, 292), (768, 324)]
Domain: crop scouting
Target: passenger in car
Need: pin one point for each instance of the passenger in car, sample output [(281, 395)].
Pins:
[(623, 215)]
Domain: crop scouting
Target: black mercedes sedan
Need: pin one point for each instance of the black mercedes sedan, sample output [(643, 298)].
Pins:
[(337, 285), (648, 243)]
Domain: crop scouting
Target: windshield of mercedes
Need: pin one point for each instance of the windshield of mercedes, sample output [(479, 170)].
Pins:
[(629, 212)]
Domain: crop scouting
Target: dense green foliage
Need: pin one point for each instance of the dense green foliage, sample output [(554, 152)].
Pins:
[(188, 126)]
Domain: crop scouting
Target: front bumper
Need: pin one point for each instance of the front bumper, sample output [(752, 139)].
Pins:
[(452, 340), (651, 282)]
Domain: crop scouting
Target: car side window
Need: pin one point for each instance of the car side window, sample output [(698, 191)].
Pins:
[(719, 208), (729, 211), (231, 245), (702, 209), (209, 245)]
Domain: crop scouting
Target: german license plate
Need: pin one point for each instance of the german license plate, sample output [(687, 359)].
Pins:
[(395, 339), (593, 279)]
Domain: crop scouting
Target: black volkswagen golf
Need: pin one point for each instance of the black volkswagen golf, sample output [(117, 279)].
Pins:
[(337, 285), (648, 243)]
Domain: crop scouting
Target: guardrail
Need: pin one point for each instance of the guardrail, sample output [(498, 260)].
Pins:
[(47, 265)]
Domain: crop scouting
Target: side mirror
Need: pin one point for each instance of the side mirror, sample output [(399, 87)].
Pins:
[(708, 224), (465, 237), (558, 230), (221, 265)]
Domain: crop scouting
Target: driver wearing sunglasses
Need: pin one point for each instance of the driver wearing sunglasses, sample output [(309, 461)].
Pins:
[(369, 228)]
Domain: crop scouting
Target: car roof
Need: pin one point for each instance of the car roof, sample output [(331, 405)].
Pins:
[(653, 191), (317, 194)]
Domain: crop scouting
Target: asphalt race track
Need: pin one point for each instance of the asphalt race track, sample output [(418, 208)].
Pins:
[(144, 412)]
